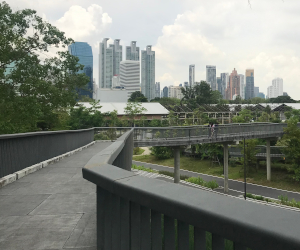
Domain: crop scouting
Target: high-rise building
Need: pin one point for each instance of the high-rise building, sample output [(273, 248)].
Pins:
[(256, 91), (132, 52), (117, 56), (175, 92), (219, 84), (84, 52), (242, 86), (105, 65), (249, 92), (192, 75), (224, 83), (130, 76), (261, 95), (211, 77), (165, 92), (148, 72), (276, 89), (157, 89), (233, 89)]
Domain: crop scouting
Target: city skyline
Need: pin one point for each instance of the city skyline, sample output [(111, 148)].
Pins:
[(262, 39)]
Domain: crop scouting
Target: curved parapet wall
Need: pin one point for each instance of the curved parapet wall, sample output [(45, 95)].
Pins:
[(130, 209), (19, 151)]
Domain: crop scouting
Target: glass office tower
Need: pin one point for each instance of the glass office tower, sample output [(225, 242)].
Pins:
[(84, 52)]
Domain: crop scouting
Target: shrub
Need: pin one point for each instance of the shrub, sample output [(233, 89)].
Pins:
[(171, 174), (150, 170), (101, 136), (162, 152), (212, 184), (201, 182)]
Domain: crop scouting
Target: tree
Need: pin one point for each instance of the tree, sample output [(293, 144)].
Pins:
[(282, 99), (133, 109), (33, 89), (291, 141), (250, 152), (137, 96), (244, 116)]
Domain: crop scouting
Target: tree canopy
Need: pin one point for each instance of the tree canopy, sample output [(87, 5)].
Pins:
[(33, 89), (137, 96)]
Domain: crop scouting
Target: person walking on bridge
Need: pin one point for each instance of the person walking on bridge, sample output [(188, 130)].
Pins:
[(216, 129)]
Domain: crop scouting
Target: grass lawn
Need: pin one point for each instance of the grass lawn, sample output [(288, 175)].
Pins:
[(139, 152), (280, 178)]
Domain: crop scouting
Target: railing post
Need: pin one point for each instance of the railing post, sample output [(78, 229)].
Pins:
[(176, 164), (268, 160), (225, 168)]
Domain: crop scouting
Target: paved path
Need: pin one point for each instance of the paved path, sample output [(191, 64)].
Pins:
[(53, 208), (236, 187)]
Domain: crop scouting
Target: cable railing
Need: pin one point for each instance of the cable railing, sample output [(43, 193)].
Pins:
[(140, 213)]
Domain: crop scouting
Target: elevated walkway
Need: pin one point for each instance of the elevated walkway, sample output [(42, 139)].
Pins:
[(53, 208)]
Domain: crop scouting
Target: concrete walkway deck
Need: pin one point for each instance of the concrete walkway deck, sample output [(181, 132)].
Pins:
[(53, 208)]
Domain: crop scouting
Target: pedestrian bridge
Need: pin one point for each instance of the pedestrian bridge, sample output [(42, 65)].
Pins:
[(132, 211)]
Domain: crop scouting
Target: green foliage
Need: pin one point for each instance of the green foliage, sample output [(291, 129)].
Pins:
[(150, 170), (101, 136), (244, 116), (249, 153), (138, 151), (133, 109), (285, 201), (173, 119), (210, 150), (162, 152), (291, 141), (33, 90), (201, 182), (282, 99), (171, 174), (137, 96), (82, 117)]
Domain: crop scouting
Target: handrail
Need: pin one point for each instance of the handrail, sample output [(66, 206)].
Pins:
[(128, 204)]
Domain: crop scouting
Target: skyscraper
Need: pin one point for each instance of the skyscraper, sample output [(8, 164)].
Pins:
[(242, 86), (132, 52), (192, 75), (105, 65), (157, 89), (84, 52), (256, 91), (224, 83), (117, 56), (148, 72), (276, 89), (219, 84), (130, 76), (211, 77), (165, 92), (249, 92), (233, 88)]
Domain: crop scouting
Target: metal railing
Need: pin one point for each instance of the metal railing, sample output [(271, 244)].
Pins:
[(139, 213), (204, 134), (276, 151), (19, 151)]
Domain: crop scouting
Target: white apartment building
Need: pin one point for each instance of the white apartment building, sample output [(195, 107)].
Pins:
[(175, 92), (276, 89), (132, 52), (242, 86), (211, 76), (130, 76), (192, 75)]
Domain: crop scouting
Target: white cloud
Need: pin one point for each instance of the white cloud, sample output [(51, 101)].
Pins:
[(80, 23)]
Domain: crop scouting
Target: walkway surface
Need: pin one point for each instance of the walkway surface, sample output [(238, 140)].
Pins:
[(236, 188), (53, 208)]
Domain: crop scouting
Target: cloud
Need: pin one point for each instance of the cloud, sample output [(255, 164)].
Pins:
[(80, 23), (230, 34)]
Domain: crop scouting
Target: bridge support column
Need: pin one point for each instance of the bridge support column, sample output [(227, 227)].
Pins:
[(268, 160), (176, 164), (226, 168)]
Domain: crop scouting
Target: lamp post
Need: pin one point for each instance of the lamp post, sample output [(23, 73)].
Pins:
[(245, 168)]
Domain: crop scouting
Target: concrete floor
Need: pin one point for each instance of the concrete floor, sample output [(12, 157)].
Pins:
[(53, 208)]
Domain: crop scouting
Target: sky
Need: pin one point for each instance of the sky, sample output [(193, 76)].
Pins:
[(263, 35)]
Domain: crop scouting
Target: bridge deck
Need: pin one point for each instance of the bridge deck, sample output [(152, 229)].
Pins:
[(53, 208)]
